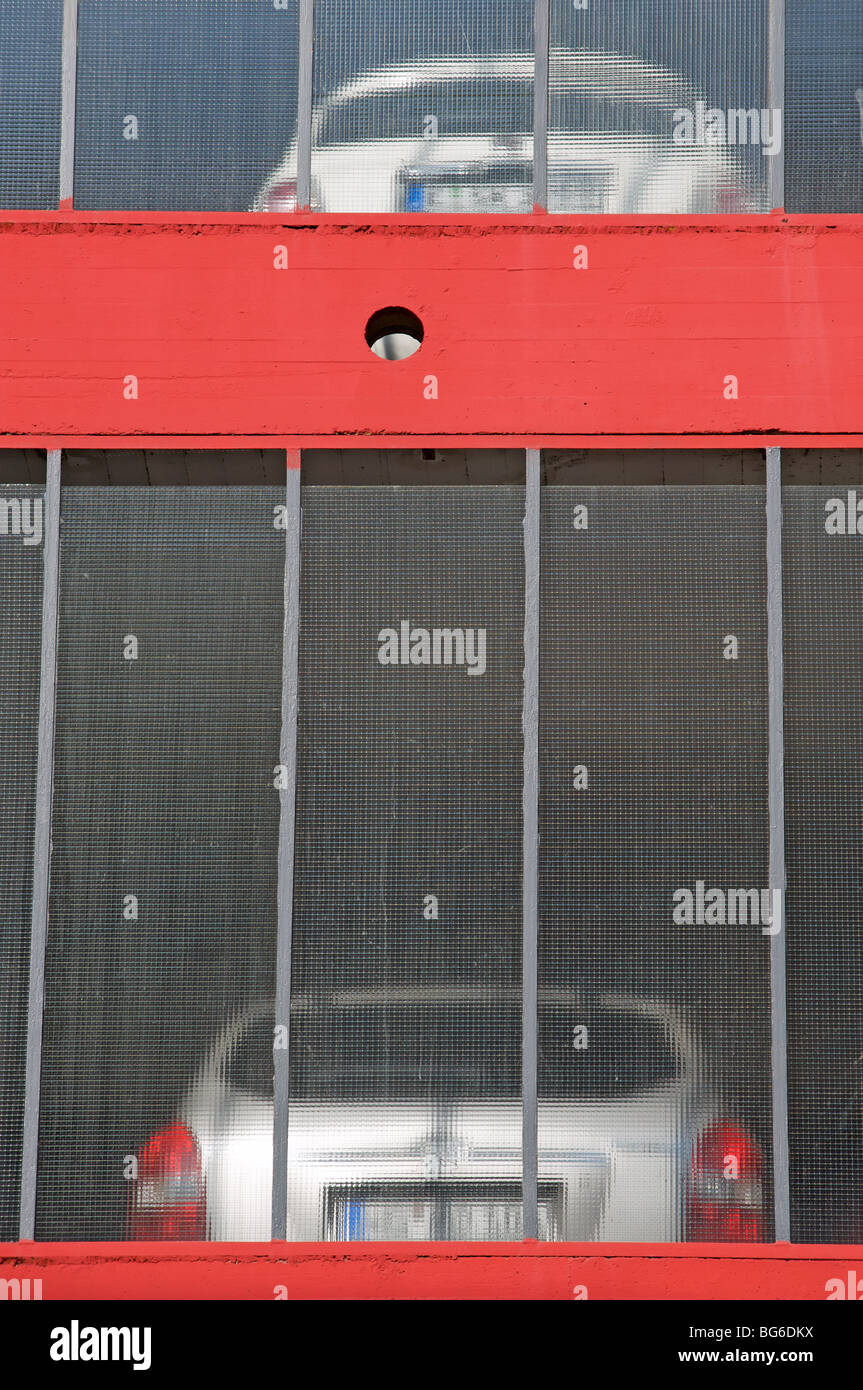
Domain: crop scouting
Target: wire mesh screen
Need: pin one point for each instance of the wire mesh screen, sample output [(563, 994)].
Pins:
[(824, 106), (824, 825), (422, 106), (654, 1030), (659, 106), (31, 33), (405, 1115), (21, 537), (163, 876), (182, 104)]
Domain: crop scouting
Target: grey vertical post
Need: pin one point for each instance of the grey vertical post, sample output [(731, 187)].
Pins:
[(69, 81), (540, 103), (41, 846), (776, 97), (304, 103), (285, 892), (776, 813), (530, 847)]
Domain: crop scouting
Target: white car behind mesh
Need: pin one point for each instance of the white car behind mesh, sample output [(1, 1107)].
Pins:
[(454, 136), (632, 1143)]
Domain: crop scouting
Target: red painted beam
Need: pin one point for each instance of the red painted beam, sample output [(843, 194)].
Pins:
[(522, 346), (417, 1271)]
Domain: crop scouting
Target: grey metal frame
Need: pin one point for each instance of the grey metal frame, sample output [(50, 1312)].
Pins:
[(776, 866), (69, 80), (530, 846), (305, 86), (305, 96), (41, 846), (776, 819), (541, 29), (47, 703), (288, 736), (285, 892), (776, 96)]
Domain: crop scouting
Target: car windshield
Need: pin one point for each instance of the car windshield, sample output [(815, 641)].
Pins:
[(494, 107), (458, 1052), (469, 106)]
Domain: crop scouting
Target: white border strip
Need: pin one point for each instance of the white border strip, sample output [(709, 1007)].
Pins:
[(304, 103), (69, 80), (287, 804), (41, 847), (530, 846), (776, 815), (540, 102), (776, 97)]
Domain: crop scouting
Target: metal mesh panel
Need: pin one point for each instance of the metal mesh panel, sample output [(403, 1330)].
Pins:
[(824, 106), (643, 107), (31, 34), (163, 880), (182, 104), (422, 107), (654, 1112), (824, 824), (406, 1012), (21, 534)]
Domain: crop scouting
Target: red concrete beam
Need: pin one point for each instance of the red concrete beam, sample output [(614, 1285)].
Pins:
[(537, 330), (415, 1271)]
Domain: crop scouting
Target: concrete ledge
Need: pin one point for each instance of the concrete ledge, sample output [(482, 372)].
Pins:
[(417, 1271)]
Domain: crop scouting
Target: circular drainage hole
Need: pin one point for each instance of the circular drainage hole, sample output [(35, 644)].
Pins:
[(394, 333)]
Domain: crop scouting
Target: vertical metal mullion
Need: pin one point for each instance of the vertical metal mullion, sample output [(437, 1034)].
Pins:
[(776, 814), (69, 82), (287, 804), (304, 103), (776, 97), (41, 846), (530, 848), (540, 104)]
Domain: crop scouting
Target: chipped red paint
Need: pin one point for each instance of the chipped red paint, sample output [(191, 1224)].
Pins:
[(529, 1270), (524, 348)]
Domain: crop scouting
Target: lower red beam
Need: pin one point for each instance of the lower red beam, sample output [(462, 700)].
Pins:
[(421, 1271)]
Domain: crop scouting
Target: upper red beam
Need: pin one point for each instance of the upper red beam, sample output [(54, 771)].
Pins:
[(143, 327)]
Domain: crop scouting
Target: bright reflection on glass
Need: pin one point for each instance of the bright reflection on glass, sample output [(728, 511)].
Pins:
[(659, 106), (419, 106)]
